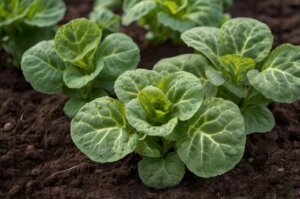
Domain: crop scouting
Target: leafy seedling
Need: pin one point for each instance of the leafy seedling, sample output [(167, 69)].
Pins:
[(236, 63), (24, 23), (104, 16), (164, 118), (79, 62), (166, 19)]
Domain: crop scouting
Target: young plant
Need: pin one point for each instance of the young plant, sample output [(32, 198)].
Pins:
[(103, 15), (163, 118), (24, 23), (166, 19), (240, 68), (79, 62)]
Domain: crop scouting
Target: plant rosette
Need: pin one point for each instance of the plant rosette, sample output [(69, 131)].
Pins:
[(165, 120), (79, 62), (166, 19), (24, 23), (236, 63)]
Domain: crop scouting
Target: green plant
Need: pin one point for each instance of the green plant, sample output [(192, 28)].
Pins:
[(103, 15), (166, 19), (236, 64), (79, 63), (164, 118), (24, 23)]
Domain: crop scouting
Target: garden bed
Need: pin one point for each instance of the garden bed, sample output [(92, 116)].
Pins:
[(39, 160)]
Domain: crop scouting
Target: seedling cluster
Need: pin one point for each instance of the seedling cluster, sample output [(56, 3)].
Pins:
[(192, 110)]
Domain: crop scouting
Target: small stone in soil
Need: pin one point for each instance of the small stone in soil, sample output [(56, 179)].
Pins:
[(8, 126)]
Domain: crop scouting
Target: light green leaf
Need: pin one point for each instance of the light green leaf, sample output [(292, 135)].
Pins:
[(174, 23), (120, 54), (110, 4), (174, 6), (258, 119), (216, 138), (185, 91), (12, 11), (76, 78), (130, 83), (247, 37), (105, 19), (42, 68), (215, 77), (44, 13), (149, 147), (101, 132), (137, 118), (77, 41), (206, 40), (279, 79), (155, 104), (235, 68), (135, 9), (161, 173)]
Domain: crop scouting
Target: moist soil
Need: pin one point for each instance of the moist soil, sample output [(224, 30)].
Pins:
[(39, 160)]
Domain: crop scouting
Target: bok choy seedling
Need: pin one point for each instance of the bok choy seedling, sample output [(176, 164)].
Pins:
[(164, 118), (79, 62), (236, 63), (166, 19)]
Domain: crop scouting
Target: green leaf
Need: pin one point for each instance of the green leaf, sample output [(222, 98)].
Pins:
[(247, 38), (215, 77), (204, 13), (105, 19), (137, 118), (135, 9), (101, 132), (174, 23), (192, 63), (185, 91), (206, 40), (120, 54), (279, 79), (258, 119), (236, 67), (76, 78), (110, 4), (216, 138), (155, 103), (161, 173), (77, 41), (44, 13), (149, 147), (72, 106), (130, 83), (42, 68)]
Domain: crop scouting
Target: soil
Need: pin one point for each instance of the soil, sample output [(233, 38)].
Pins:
[(39, 160)]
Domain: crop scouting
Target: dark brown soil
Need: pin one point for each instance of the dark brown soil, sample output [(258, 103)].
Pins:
[(39, 160)]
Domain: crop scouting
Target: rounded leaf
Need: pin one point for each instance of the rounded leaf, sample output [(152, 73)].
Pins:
[(247, 37), (77, 41), (206, 40), (258, 119), (130, 83), (101, 132), (43, 68), (137, 119), (135, 9), (216, 138), (119, 53), (161, 173), (185, 91), (44, 13), (279, 79), (174, 23), (149, 147)]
